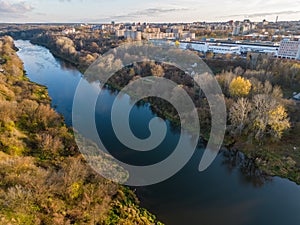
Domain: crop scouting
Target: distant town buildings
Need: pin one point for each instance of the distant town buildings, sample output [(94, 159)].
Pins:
[(279, 39), (244, 27), (138, 32)]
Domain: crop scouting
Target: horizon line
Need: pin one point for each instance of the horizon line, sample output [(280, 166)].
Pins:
[(84, 22)]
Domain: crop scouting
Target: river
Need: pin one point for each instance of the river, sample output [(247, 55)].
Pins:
[(230, 192)]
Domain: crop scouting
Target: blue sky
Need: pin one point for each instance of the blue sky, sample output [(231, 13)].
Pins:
[(146, 11)]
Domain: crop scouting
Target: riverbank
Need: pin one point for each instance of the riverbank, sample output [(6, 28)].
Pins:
[(276, 159), (44, 179), (226, 184)]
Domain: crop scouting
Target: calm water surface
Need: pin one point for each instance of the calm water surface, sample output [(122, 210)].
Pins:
[(230, 192)]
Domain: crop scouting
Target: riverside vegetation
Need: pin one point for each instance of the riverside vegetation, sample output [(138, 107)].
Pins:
[(263, 121), (43, 178)]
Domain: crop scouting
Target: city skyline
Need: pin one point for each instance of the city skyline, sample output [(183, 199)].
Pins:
[(89, 11)]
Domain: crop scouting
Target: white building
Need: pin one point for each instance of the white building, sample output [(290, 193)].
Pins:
[(289, 49), (197, 46), (152, 30), (224, 49), (133, 35), (120, 33), (188, 35), (212, 47), (236, 30), (267, 49), (227, 48), (158, 35), (69, 31)]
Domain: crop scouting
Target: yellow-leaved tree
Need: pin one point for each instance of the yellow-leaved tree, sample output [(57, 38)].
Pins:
[(239, 87), (269, 117), (279, 121)]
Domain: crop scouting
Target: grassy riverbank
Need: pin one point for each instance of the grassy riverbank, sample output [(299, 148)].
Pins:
[(44, 179), (276, 158)]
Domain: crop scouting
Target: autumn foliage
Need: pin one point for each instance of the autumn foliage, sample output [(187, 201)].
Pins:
[(43, 178), (239, 87)]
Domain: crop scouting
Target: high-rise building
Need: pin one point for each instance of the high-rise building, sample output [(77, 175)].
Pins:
[(236, 28), (133, 35), (289, 49)]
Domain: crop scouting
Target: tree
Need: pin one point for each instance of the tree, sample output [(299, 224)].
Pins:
[(239, 114), (257, 86), (94, 47), (278, 121), (66, 46), (295, 70), (209, 55), (238, 70), (240, 87), (228, 56), (269, 117), (268, 88), (224, 80), (262, 105), (157, 70), (277, 92)]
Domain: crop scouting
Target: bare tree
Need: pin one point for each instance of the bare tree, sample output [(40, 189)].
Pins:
[(157, 70), (239, 114), (262, 105)]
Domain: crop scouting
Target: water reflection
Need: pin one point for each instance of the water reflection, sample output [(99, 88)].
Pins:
[(249, 173), (66, 66)]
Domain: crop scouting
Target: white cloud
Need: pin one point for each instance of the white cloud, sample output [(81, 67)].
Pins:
[(263, 14), (16, 8), (143, 10), (150, 12)]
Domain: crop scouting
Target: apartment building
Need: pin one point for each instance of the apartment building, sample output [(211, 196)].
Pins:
[(133, 35), (289, 49)]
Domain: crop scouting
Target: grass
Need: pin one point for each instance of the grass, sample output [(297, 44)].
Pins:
[(281, 158)]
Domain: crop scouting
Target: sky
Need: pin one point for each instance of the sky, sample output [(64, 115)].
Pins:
[(100, 11)]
